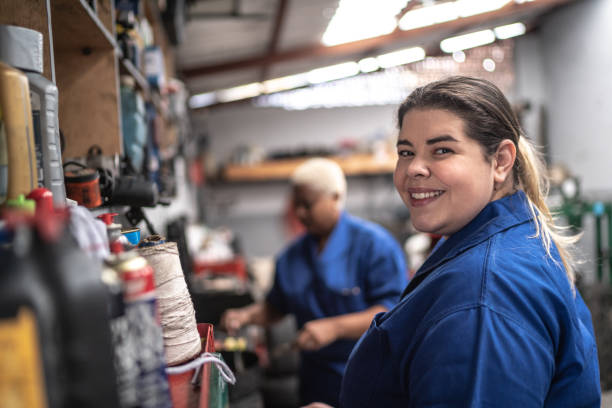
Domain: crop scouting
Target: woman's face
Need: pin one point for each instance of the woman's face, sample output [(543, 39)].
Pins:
[(317, 211), (441, 174)]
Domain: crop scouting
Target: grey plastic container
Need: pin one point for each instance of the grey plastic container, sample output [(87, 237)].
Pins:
[(22, 48)]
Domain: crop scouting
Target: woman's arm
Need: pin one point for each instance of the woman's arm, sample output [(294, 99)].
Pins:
[(319, 333)]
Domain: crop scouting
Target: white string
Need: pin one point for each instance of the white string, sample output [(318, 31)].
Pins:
[(177, 316), (224, 370)]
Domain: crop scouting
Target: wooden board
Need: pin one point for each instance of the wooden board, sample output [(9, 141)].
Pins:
[(353, 165), (76, 26), (106, 14), (89, 101)]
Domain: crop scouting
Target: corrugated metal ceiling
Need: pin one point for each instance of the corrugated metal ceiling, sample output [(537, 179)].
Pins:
[(234, 42)]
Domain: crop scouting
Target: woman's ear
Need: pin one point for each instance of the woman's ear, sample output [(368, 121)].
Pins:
[(503, 161)]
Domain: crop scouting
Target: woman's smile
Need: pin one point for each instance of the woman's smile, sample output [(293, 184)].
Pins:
[(420, 197)]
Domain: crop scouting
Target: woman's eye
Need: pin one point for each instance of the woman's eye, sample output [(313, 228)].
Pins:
[(405, 153), (442, 150)]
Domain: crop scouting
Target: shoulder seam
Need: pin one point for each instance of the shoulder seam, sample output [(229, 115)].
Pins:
[(485, 269)]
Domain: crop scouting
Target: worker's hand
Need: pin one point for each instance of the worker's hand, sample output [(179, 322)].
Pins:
[(317, 405), (233, 319), (316, 334)]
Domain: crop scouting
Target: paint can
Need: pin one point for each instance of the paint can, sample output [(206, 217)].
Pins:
[(83, 185)]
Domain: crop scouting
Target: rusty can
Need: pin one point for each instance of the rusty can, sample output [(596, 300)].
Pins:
[(144, 330)]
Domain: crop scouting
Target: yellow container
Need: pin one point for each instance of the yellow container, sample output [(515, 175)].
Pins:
[(18, 129)]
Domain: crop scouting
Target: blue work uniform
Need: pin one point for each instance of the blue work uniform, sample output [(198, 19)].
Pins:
[(361, 266), (489, 320)]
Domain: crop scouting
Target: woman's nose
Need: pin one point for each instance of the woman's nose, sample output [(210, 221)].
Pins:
[(418, 167)]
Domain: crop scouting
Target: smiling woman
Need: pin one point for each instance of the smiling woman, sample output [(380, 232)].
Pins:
[(492, 318), (444, 176)]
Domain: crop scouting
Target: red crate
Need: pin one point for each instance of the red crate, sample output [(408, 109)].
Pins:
[(236, 267), (182, 392)]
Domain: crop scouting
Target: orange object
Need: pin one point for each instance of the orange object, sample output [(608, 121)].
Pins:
[(83, 186)]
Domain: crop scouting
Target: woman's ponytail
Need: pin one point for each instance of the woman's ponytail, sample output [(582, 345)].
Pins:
[(530, 170)]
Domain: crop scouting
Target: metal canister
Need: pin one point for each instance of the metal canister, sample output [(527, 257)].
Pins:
[(144, 330)]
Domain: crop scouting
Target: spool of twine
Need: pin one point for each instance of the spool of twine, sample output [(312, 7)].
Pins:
[(181, 337)]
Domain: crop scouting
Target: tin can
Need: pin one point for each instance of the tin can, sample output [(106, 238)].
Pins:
[(144, 330)]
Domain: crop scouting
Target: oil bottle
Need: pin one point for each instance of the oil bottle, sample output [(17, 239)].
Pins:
[(19, 136), (53, 305), (22, 48)]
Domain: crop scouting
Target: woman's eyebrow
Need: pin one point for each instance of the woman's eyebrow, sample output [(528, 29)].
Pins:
[(433, 140), (443, 138)]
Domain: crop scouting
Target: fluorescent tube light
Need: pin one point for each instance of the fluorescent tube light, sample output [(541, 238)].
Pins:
[(429, 15), (338, 71), (471, 40), (202, 100), (468, 8), (368, 64), (239, 92), (509, 31), (401, 57), (360, 19), (285, 83)]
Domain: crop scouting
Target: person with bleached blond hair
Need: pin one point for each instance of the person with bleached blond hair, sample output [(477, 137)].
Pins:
[(334, 279)]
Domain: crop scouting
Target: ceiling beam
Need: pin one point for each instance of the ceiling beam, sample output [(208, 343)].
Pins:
[(509, 11), (279, 19)]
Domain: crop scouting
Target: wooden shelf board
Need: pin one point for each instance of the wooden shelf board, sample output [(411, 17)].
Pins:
[(354, 165), (76, 26)]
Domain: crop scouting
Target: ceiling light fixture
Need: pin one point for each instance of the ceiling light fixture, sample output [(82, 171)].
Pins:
[(471, 40), (202, 100), (430, 15), (285, 83), (369, 64), (510, 30), (488, 64), (239, 92), (441, 13), (467, 8), (401, 57), (338, 71), (360, 19)]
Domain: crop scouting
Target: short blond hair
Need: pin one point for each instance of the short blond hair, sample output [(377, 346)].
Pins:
[(323, 175)]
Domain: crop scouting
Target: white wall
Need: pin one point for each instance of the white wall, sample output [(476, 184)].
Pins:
[(566, 68), (576, 60), (274, 128)]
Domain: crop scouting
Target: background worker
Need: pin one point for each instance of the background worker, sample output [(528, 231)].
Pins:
[(334, 279)]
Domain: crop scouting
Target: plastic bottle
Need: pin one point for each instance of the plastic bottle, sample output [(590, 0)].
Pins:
[(17, 124), (52, 290), (22, 48)]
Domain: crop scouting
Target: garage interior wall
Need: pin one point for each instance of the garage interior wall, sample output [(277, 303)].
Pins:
[(563, 69)]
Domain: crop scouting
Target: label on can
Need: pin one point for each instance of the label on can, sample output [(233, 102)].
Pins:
[(144, 333), (21, 380)]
